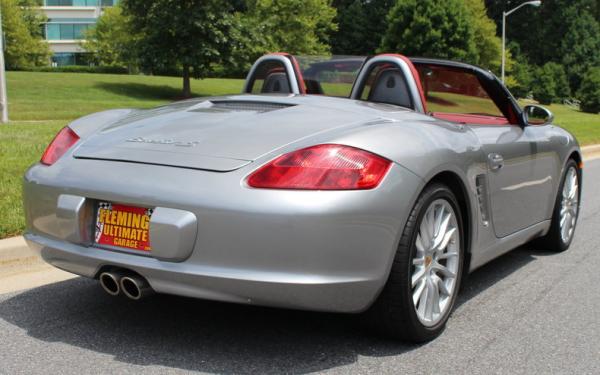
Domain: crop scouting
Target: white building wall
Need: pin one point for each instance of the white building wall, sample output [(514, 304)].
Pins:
[(67, 15)]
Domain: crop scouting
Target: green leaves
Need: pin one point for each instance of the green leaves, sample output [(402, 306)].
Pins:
[(550, 83), (589, 93), (294, 26), (430, 28), (186, 34), (24, 47), (112, 41)]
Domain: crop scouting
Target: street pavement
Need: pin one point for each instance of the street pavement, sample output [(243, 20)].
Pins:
[(529, 312)]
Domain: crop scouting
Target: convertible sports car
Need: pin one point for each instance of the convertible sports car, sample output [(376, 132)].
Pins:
[(347, 185)]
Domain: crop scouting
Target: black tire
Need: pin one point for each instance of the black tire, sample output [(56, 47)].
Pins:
[(553, 240), (393, 313)]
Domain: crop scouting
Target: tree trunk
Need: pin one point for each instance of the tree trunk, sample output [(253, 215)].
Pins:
[(187, 90)]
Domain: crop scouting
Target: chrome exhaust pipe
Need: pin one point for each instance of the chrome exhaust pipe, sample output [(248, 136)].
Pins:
[(135, 287), (110, 282)]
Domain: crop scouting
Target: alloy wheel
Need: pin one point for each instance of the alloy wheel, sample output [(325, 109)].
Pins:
[(569, 205), (436, 262)]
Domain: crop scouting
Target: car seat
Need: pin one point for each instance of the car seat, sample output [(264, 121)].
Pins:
[(276, 83), (390, 87)]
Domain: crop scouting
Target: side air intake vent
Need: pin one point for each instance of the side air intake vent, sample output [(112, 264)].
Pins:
[(482, 198)]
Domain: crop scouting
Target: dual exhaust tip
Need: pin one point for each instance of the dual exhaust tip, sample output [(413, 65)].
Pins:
[(132, 286)]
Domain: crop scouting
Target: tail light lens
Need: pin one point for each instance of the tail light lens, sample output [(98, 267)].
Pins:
[(322, 167), (59, 145)]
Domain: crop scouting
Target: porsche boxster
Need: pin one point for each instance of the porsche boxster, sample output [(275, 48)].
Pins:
[(351, 185)]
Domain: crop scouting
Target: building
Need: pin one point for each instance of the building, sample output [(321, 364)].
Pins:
[(67, 21)]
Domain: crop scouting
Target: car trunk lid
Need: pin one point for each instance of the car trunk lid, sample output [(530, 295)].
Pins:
[(217, 135)]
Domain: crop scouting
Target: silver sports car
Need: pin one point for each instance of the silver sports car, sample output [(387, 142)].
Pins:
[(345, 185)]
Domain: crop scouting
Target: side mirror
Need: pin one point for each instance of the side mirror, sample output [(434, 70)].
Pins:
[(537, 115)]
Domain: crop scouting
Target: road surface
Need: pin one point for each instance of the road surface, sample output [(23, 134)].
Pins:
[(526, 312)]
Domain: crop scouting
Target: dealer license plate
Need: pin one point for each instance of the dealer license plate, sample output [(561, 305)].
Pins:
[(123, 226)]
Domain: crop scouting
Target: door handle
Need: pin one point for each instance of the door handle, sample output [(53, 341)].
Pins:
[(495, 161)]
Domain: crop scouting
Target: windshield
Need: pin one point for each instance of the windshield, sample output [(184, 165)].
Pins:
[(330, 75)]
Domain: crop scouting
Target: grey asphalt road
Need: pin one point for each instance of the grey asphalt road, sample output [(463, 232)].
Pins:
[(527, 312)]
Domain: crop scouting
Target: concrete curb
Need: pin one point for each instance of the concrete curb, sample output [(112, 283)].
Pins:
[(15, 250), (591, 152)]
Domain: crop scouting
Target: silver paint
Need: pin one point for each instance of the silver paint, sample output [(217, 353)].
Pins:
[(318, 250)]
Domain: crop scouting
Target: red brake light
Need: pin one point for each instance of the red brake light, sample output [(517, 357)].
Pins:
[(322, 167), (59, 145)]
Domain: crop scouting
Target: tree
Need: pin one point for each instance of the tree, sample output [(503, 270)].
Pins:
[(563, 90), (580, 47), (23, 46), (190, 34), (589, 93), (34, 18), (521, 72), (561, 31), (550, 83), (361, 26), (430, 28), (294, 26), (487, 44), (112, 41)]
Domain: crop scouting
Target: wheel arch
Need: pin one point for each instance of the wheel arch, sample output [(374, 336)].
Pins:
[(455, 183), (575, 155)]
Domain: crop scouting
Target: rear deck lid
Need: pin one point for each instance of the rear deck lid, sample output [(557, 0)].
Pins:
[(216, 135)]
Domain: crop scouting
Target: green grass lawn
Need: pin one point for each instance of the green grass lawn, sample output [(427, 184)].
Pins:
[(42, 103), (585, 126)]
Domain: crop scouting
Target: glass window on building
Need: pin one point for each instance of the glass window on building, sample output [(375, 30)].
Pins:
[(67, 29), (81, 3), (62, 59), (70, 58), (79, 30), (53, 31)]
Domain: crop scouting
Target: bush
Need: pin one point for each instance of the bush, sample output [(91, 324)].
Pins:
[(520, 80), (550, 84), (589, 93), (79, 69)]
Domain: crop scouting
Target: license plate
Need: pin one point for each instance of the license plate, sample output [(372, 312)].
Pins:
[(123, 226)]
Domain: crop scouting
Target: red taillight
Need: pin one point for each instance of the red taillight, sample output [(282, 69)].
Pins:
[(322, 167), (59, 145)]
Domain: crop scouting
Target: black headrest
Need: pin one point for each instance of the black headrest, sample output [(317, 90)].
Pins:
[(276, 83), (313, 87)]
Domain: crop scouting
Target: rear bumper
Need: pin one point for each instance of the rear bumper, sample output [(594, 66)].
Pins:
[(326, 251), (297, 291)]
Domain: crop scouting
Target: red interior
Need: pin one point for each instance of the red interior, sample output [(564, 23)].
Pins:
[(470, 119), (453, 117)]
